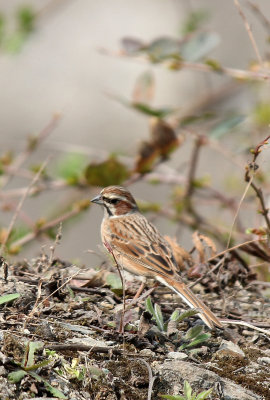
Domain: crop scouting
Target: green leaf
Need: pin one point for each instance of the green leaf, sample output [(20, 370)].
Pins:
[(214, 64), (143, 107), (26, 19), (55, 392), (16, 376), (71, 167), (199, 339), (155, 112), (9, 297), (262, 114), (187, 390), (14, 42), (2, 27), (189, 313), (114, 281), (164, 48), (159, 318), (29, 358), (226, 126), (199, 46), (149, 306), (109, 172), (203, 395), (175, 315), (195, 20), (192, 119), (168, 397), (193, 332)]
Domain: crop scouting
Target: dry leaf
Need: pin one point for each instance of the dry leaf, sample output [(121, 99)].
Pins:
[(180, 254), (163, 136), (199, 246), (146, 156)]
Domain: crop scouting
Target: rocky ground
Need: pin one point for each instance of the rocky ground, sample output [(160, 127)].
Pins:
[(60, 336)]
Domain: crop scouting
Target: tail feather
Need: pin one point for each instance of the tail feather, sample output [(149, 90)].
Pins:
[(186, 294)]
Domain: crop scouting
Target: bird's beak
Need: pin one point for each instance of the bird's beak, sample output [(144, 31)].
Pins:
[(97, 200)]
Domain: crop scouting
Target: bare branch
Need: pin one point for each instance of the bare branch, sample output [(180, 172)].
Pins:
[(250, 34), (19, 207)]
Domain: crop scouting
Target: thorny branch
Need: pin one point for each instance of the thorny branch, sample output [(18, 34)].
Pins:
[(253, 167)]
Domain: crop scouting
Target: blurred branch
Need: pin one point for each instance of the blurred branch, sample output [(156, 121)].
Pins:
[(31, 147), (250, 34), (253, 167), (255, 8), (263, 74), (20, 204), (237, 211), (199, 141), (53, 185), (51, 224), (232, 72), (231, 249)]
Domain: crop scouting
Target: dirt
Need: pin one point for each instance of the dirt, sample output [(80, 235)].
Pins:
[(82, 354)]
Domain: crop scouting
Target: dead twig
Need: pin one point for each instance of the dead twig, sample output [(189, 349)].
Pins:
[(51, 224), (231, 249), (247, 324), (232, 72), (207, 273), (255, 8), (20, 204), (52, 248), (151, 379), (39, 303), (199, 141), (32, 145), (249, 31), (254, 167), (84, 347), (110, 250)]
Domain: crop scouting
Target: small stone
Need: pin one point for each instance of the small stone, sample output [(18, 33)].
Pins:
[(230, 348), (107, 305), (177, 355), (264, 360), (147, 353)]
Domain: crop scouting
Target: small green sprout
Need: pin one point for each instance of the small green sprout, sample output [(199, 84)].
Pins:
[(188, 395)]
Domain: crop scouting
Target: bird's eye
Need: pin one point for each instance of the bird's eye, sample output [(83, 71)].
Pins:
[(114, 201), (111, 201)]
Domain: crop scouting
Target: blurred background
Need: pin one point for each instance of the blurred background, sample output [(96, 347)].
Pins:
[(92, 78)]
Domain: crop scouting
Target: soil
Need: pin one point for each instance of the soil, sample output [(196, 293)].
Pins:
[(64, 337)]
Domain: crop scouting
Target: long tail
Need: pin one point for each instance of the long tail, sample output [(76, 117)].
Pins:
[(186, 294)]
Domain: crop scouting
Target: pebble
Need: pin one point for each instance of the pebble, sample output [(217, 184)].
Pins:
[(230, 348), (147, 353), (264, 360), (177, 355)]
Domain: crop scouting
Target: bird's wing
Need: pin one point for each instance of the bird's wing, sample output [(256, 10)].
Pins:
[(134, 240)]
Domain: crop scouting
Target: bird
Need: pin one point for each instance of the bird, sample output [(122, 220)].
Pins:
[(138, 247)]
